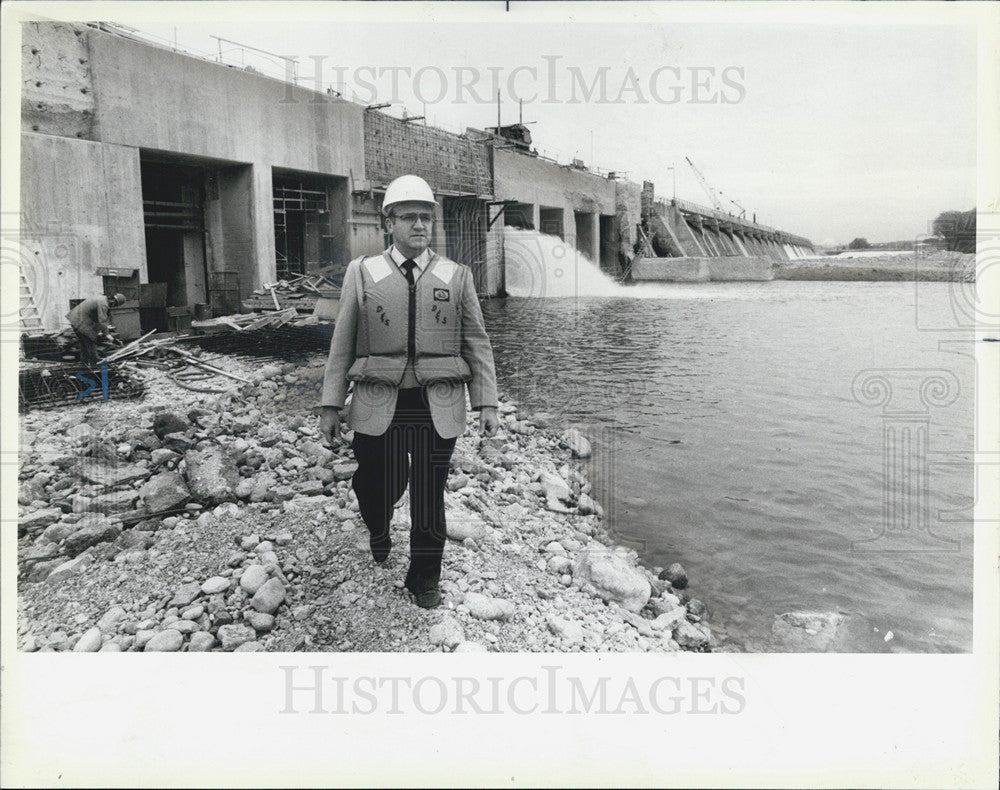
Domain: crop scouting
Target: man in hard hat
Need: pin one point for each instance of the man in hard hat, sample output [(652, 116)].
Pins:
[(410, 335), (90, 321)]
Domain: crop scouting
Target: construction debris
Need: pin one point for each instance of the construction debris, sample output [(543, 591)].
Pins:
[(299, 293)]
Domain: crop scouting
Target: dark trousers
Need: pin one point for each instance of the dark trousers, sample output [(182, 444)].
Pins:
[(88, 348), (410, 452)]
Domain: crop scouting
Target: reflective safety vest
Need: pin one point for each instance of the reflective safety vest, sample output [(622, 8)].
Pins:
[(387, 312)]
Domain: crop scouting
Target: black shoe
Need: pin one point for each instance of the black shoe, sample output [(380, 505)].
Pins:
[(428, 599), (380, 549)]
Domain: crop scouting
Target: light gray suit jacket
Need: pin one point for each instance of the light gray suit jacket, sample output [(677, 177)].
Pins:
[(373, 404)]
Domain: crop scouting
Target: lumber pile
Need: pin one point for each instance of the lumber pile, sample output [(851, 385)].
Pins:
[(299, 292)]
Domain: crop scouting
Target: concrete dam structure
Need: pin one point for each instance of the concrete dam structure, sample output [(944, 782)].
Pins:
[(686, 242)]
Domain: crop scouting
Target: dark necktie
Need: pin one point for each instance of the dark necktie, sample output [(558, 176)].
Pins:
[(408, 266)]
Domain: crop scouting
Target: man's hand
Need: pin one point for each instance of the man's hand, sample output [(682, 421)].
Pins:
[(329, 423), (488, 420)]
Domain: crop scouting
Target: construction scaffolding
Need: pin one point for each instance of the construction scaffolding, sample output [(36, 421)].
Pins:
[(451, 163)]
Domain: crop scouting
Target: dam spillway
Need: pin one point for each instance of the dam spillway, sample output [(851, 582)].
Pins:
[(686, 242)]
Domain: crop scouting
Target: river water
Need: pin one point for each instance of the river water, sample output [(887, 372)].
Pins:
[(758, 433)]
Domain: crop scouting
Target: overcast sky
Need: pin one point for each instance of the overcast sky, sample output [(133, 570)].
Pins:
[(831, 132)]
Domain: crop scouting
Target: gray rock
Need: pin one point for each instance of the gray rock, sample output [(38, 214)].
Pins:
[(193, 612), (448, 633), (212, 475), (691, 636), (466, 525), (67, 569), (97, 530), (216, 584), (164, 491), (168, 641), (90, 642), (577, 443), (162, 455), (142, 637), (344, 470), (59, 531), (185, 594), (568, 630), (112, 475), (232, 636), (166, 422), (676, 575), (555, 487), (111, 647), (201, 642), (253, 578), (484, 607), (250, 647), (184, 626), (269, 597), (612, 577), (249, 542), (109, 621), (37, 520), (470, 647), (260, 622)]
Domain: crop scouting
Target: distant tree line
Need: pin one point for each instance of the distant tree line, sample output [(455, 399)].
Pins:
[(958, 229)]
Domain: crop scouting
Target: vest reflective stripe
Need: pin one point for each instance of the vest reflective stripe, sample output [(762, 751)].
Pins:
[(382, 338)]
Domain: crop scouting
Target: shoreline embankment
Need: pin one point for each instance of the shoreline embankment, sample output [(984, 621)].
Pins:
[(186, 522), (933, 267)]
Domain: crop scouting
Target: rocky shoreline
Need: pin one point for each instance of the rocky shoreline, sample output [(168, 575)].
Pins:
[(225, 524), (934, 267)]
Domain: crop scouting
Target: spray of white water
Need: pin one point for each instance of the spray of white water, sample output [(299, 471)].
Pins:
[(541, 265)]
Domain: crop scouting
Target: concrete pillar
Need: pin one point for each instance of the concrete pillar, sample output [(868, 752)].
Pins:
[(670, 222)]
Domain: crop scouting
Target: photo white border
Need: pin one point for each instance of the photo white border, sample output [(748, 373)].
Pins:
[(809, 720)]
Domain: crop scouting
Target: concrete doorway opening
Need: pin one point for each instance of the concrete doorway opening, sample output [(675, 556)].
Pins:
[(465, 234), (310, 223), (519, 215), (550, 219), (608, 242), (584, 221), (173, 199)]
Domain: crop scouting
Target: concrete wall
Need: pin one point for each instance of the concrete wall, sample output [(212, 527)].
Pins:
[(703, 269), (91, 101), (88, 195), (545, 184), (154, 98)]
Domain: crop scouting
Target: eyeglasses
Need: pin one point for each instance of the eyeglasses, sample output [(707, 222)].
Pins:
[(412, 218)]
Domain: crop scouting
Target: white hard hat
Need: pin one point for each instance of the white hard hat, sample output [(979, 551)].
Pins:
[(407, 188)]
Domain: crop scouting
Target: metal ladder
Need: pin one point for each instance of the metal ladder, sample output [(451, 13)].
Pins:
[(31, 319)]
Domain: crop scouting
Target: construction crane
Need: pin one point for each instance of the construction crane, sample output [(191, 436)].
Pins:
[(743, 211), (704, 185)]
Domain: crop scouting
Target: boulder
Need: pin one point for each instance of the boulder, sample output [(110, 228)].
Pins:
[(94, 530), (253, 578), (55, 533), (577, 443), (164, 491), (37, 520), (448, 633), (68, 569), (90, 642), (212, 475), (168, 641), (691, 636), (571, 632), (676, 575), (112, 475), (166, 422), (470, 647), (201, 642), (612, 577), (269, 597), (232, 636), (484, 607)]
